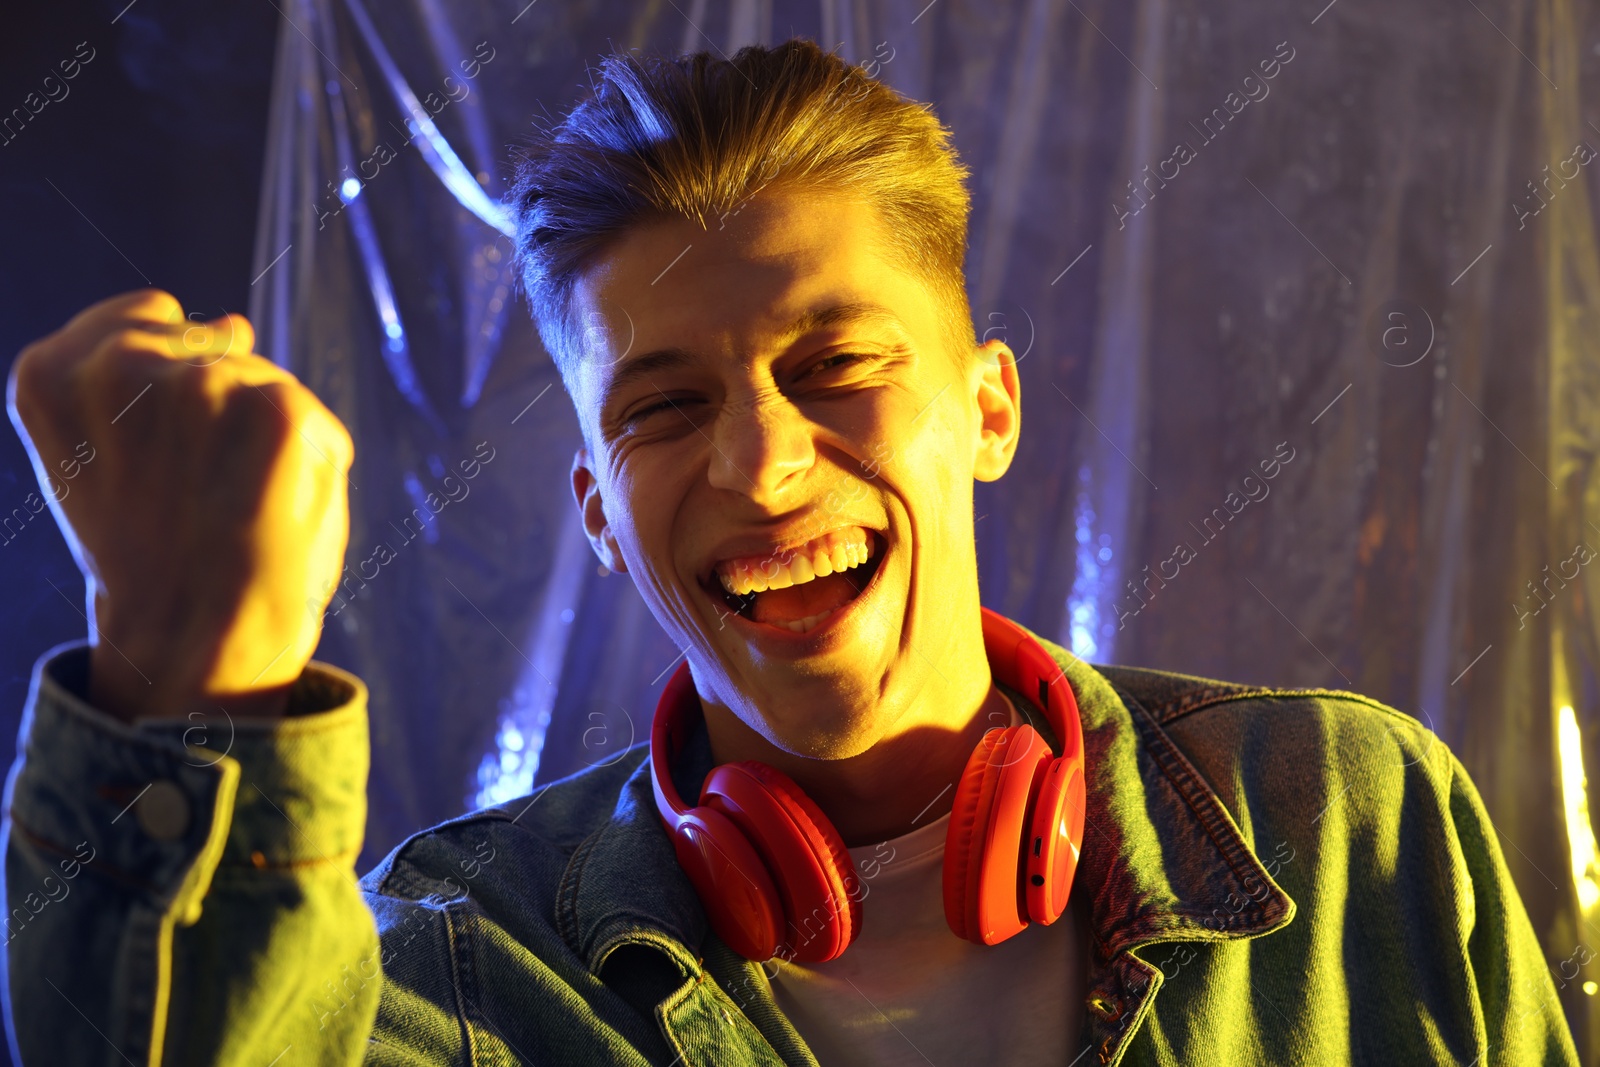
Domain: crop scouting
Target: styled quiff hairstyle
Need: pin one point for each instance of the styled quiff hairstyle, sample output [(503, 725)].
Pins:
[(698, 135)]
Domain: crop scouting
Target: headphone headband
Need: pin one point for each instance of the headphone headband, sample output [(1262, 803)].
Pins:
[(1016, 660)]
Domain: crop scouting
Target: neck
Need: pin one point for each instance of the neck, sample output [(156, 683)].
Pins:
[(904, 781)]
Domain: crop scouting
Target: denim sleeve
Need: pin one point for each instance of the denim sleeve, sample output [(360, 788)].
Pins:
[(1522, 1017), (184, 892)]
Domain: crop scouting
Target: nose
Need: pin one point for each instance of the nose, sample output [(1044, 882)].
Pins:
[(762, 446)]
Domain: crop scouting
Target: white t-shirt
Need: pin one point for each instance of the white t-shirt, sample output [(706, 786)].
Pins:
[(910, 992)]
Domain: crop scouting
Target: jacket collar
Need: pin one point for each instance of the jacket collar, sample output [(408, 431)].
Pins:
[(623, 883), (1162, 858)]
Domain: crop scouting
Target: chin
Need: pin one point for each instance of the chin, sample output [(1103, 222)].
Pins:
[(841, 736)]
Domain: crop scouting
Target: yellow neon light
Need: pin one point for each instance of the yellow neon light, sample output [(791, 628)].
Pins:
[(1575, 798)]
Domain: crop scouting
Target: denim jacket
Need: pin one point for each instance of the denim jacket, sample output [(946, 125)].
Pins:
[(1269, 876)]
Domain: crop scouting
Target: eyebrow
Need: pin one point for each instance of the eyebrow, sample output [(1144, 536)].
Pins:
[(852, 313)]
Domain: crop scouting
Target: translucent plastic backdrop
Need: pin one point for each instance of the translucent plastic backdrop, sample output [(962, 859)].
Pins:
[(1308, 304)]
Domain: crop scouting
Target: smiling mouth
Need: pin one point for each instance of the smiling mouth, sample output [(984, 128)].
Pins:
[(800, 588)]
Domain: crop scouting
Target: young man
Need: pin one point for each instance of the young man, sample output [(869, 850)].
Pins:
[(749, 273)]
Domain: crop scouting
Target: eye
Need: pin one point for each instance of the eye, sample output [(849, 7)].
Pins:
[(838, 359), (664, 404), (651, 410)]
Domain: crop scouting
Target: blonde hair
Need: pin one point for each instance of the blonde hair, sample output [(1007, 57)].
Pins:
[(697, 135)]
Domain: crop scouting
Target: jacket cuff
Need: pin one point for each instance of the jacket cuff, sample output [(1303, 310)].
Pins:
[(160, 805)]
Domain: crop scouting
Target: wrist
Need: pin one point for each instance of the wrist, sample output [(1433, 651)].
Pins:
[(130, 688)]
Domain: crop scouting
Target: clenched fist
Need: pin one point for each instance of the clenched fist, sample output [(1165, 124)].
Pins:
[(212, 509)]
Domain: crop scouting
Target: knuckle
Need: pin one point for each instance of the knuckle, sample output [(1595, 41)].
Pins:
[(344, 446), (154, 302), (329, 433), (241, 333), (149, 304), (27, 380), (267, 402), (119, 360), (212, 386), (288, 411), (332, 430), (309, 416), (125, 344)]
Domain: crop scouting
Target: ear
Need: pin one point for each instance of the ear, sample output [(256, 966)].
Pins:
[(586, 491), (998, 393)]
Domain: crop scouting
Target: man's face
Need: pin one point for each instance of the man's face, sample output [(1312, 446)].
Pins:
[(781, 449)]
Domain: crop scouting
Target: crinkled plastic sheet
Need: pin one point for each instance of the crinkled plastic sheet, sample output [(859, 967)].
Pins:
[(1372, 273)]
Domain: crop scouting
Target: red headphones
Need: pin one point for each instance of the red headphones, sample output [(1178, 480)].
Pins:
[(775, 877)]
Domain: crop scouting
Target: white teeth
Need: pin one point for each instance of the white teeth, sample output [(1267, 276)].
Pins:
[(830, 554)]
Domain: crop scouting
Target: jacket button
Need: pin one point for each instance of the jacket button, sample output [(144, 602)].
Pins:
[(163, 811), (1109, 1008)]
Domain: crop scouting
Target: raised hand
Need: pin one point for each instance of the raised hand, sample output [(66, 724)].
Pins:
[(207, 503)]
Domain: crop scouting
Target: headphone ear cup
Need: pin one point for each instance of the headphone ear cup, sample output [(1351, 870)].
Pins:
[(732, 882), (983, 885), (1054, 839), (974, 793), (808, 861)]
